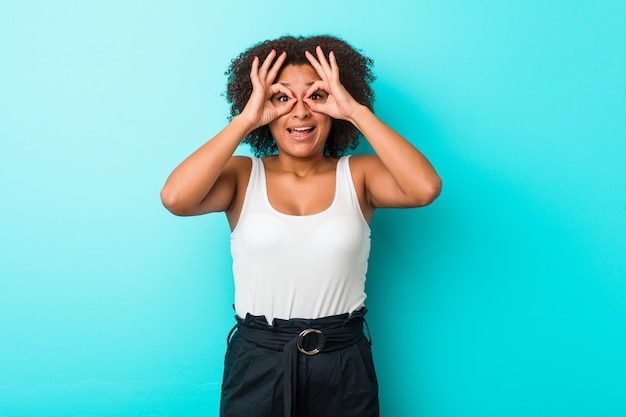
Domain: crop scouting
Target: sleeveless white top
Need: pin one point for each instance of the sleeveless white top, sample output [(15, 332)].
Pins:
[(288, 266)]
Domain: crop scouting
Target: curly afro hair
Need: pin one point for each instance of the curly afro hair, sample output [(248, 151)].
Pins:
[(355, 75)]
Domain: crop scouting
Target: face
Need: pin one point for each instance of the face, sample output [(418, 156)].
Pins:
[(301, 132)]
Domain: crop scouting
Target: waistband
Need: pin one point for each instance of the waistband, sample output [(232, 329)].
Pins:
[(301, 336)]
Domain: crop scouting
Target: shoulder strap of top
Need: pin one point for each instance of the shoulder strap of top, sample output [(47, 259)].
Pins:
[(345, 185), (256, 186)]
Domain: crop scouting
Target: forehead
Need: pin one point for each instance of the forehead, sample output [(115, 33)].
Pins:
[(295, 74)]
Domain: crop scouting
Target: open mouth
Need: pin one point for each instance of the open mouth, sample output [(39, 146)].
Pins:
[(301, 132)]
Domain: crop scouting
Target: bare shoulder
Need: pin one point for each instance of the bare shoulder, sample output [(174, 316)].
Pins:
[(362, 163), (239, 165), (364, 158)]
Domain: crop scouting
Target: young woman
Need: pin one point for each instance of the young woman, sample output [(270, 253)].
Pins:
[(299, 214)]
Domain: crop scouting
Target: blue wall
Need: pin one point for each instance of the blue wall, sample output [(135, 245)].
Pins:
[(507, 297)]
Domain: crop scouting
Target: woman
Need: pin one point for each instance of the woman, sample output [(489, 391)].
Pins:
[(300, 223)]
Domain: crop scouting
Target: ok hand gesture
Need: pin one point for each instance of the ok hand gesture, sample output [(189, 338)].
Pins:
[(260, 110), (328, 95)]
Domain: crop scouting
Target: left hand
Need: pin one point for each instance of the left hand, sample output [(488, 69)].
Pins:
[(336, 101)]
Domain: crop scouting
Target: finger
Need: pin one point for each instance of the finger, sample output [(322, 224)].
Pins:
[(323, 61), (282, 107), (316, 86), (333, 65), (266, 64), (254, 71), (315, 64), (271, 75), (317, 107), (280, 88), (285, 107)]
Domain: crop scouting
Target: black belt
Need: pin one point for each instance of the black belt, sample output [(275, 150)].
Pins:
[(291, 337)]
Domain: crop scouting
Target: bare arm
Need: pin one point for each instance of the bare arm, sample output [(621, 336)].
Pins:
[(399, 175), (207, 180)]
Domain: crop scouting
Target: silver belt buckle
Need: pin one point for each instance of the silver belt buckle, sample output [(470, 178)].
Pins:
[(302, 334)]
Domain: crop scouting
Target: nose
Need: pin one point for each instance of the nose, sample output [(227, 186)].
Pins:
[(301, 110)]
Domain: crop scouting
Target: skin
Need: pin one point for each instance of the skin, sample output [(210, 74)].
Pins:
[(299, 108)]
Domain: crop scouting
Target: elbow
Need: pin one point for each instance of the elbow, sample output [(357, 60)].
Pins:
[(172, 203), (427, 193), (433, 191), (168, 201)]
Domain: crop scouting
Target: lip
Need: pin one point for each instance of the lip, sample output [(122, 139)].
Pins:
[(301, 132)]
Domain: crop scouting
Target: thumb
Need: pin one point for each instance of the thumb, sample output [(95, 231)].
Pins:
[(316, 106), (285, 107)]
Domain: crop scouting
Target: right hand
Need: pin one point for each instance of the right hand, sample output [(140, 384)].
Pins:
[(260, 110)]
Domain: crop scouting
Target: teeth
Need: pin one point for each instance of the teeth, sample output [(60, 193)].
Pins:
[(301, 129)]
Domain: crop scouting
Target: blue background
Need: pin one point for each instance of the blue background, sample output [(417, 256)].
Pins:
[(506, 297)]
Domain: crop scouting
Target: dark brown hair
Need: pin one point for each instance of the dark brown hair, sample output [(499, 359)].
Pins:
[(355, 72)]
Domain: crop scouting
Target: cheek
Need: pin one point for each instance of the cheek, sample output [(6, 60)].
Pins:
[(275, 127), (325, 126)]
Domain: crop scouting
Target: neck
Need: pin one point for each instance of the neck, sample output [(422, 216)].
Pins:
[(301, 167)]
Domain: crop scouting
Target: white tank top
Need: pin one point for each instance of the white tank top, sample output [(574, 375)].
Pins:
[(311, 266)]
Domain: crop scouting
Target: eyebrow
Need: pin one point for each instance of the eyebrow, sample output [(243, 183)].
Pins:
[(306, 84)]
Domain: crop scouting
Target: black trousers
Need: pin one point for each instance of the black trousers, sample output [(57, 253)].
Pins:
[(265, 375)]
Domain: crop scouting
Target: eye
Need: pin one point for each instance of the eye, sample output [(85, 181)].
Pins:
[(318, 95), (280, 98)]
